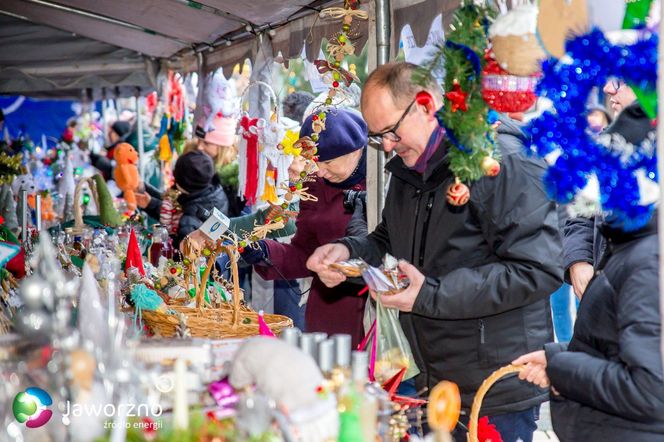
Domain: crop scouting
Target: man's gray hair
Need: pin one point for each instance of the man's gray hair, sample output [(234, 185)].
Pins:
[(398, 79)]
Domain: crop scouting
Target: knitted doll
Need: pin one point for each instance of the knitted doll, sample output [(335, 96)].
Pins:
[(126, 172)]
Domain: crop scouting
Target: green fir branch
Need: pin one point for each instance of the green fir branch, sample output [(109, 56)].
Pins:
[(471, 127)]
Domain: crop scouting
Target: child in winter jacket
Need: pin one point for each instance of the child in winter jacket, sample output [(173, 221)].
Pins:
[(200, 193)]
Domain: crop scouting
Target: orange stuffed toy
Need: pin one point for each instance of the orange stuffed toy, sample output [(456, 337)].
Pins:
[(126, 172), (48, 214)]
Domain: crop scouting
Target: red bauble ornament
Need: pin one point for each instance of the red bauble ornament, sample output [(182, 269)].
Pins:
[(490, 166), (335, 84), (458, 193), (458, 98), (505, 92)]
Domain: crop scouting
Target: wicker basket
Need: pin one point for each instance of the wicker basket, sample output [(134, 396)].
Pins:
[(230, 320), (479, 397), (518, 55)]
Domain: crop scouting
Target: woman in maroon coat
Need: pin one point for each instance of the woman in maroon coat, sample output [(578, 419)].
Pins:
[(342, 166)]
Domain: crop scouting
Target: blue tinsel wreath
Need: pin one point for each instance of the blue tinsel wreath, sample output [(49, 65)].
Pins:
[(568, 83)]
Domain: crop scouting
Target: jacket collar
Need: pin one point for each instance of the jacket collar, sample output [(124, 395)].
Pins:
[(436, 172)]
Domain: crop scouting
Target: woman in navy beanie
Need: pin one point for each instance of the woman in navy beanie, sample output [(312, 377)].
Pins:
[(342, 166)]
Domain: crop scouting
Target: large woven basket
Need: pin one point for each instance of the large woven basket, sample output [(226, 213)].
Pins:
[(479, 397), (230, 320), (214, 323)]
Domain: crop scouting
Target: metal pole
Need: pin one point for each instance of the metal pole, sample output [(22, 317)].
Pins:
[(104, 117), (383, 35), (38, 217), (660, 170), (141, 146), (23, 198)]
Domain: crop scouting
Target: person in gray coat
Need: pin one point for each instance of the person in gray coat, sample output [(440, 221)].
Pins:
[(480, 274)]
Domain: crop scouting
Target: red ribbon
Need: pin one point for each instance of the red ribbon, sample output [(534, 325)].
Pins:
[(252, 157)]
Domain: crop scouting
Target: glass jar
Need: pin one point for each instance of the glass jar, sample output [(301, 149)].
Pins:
[(161, 245)]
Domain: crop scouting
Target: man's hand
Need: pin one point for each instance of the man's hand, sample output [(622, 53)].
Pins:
[(321, 259), (142, 199), (535, 368), (404, 301), (580, 273)]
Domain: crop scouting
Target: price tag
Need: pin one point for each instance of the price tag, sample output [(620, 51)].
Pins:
[(215, 225)]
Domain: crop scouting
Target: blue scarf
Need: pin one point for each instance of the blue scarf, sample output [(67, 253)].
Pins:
[(432, 146), (358, 175)]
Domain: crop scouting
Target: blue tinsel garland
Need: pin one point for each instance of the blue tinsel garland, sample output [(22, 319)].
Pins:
[(568, 83)]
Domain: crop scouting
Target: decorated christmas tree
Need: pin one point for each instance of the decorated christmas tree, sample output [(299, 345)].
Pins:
[(465, 115)]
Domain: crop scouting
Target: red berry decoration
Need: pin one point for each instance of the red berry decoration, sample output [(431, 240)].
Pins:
[(240, 249), (458, 193), (315, 117), (490, 166), (457, 97), (335, 83)]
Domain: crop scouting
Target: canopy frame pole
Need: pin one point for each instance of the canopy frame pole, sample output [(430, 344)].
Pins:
[(660, 171), (383, 35), (139, 129)]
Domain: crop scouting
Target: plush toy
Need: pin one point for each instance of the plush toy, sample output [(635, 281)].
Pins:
[(268, 363), (47, 212), (126, 172)]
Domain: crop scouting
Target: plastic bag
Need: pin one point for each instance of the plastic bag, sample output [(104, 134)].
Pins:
[(392, 350)]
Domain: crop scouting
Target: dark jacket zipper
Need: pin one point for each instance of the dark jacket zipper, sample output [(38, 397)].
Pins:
[(481, 331), (418, 192), (425, 228)]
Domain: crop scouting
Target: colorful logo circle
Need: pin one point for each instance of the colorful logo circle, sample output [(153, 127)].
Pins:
[(31, 407)]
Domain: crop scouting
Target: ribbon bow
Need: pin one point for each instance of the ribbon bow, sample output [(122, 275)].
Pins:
[(338, 50), (249, 128), (324, 66), (307, 147), (340, 13)]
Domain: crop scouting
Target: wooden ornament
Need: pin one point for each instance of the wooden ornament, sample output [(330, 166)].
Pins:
[(458, 193), (490, 166), (444, 406)]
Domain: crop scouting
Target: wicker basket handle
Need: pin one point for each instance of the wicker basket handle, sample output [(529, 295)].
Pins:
[(481, 392), (237, 293)]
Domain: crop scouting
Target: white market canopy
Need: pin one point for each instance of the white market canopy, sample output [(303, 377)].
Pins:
[(91, 48)]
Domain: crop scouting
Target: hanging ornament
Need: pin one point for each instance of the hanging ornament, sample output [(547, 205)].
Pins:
[(490, 166), (504, 92), (514, 40), (458, 193), (458, 98)]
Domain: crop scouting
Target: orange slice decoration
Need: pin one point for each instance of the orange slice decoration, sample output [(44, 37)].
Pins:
[(444, 406)]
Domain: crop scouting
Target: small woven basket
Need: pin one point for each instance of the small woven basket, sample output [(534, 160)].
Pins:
[(518, 55), (479, 397), (230, 320)]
